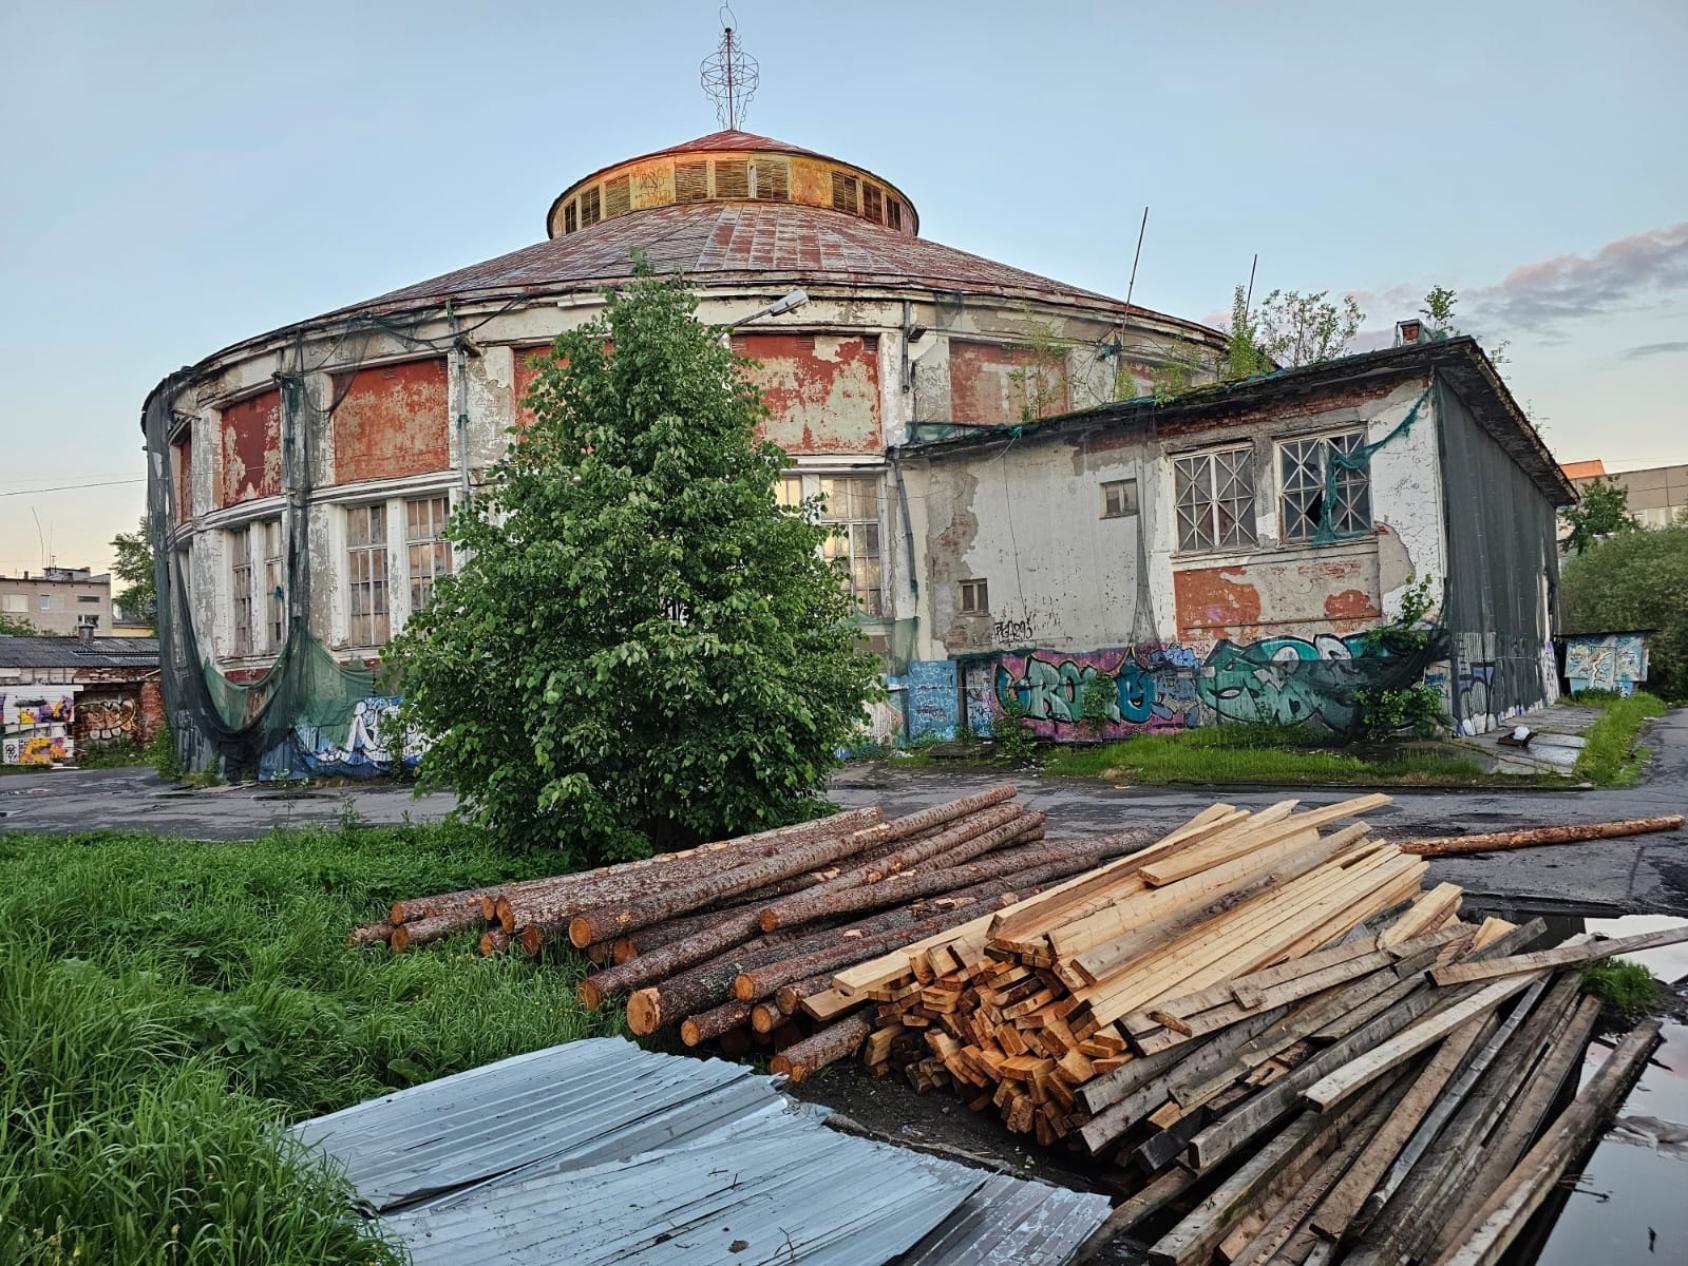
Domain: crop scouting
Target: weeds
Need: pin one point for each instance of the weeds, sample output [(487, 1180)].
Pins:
[(165, 1006), (1263, 754), (1624, 986), (1609, 757)]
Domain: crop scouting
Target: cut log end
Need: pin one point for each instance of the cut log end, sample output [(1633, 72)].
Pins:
[(591, 997), (781, 1066), (744, 987), (765, 1018), (400, 939), (690, 1034), (644, 1012), (532, 939), (580, 933), (624, 950), (505, 915), (769, 919), (493, 941)]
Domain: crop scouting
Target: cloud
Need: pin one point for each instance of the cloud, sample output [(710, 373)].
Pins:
[(1656, 349), (1538, 297)]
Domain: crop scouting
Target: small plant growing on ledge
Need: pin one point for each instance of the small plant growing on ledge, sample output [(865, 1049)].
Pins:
[(1010, 735), (1628, 988)]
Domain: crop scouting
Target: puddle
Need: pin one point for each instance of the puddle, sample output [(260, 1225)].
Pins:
[(1628, 1204)]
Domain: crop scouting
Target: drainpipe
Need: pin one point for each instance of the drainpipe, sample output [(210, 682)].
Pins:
[(457, 371)]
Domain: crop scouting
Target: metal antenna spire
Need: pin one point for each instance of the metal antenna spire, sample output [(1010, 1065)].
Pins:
[(729, 74)]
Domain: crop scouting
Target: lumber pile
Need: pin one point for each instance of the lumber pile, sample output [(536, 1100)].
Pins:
[(1279, 1042), (1286, 1047)]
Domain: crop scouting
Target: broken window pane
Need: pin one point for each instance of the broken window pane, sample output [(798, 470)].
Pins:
[(1303, 467)]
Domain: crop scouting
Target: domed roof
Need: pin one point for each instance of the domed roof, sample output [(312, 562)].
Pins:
[(727, 233)]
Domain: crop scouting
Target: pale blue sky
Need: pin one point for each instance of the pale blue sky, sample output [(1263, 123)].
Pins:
[(179, 175)]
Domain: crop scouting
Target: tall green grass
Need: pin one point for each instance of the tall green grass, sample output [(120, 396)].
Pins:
[(1609, 757), (1258, 754), (166, 1006)]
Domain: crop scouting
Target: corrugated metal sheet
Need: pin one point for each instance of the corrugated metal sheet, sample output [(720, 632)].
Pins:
[(71, 651), (599, 1152)]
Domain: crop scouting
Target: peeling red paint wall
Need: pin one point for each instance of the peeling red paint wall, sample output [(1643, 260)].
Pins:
[(392, 421), (526, 375), (181, 451), (1296, 596), (251, 450), (821, 390), (987, 387)]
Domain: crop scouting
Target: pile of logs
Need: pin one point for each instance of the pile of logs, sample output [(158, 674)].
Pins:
[(1267, 1027), (1280, 1043)]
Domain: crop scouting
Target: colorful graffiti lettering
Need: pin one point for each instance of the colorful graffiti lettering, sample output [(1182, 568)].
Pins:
[(1607, 661), (1284, 680), (36, 729), (1143, 692)]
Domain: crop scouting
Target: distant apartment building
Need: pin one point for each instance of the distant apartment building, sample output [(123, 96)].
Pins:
[(58, 600), (1657, 495)]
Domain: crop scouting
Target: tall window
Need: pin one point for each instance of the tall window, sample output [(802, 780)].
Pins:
[(366, 565), (1215, 498), (1304, 467), (275, 584), (851, 504), (241, 575), (430, 552)]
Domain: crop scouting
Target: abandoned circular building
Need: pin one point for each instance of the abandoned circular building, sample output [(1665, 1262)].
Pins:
[(300, 479)]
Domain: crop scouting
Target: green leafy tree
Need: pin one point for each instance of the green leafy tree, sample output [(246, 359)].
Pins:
[(1296, 329), (1635, 580), (1438, 310), (16, 626), (1244, 357), (139, 597), (641, 648), (1601, 510)]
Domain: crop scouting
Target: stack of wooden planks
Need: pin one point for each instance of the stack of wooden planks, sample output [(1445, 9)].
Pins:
[(1281, 1041)]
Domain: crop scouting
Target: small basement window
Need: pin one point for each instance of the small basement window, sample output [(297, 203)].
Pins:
[(1119, 498), (975, 597)]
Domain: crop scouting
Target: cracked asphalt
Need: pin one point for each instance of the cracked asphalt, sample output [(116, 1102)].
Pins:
[(1644, 874)]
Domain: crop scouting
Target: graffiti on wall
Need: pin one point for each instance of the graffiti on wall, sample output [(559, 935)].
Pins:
[(1285, 680), (931, 699), (109, 719), (1606, 661), (1149, 687), (35, 729), (1170, 686), (368, 745)]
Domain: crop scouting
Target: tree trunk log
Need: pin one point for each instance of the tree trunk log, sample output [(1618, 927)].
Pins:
[(710, 1024), (560, 898), (494, 941), (367, 933), (835, 1042), (1499, 841), (616, 919), (434, 928)]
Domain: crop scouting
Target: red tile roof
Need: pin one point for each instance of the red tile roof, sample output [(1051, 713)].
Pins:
[(1583, 470)]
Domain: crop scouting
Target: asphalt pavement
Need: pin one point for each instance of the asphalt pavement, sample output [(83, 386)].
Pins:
[(1637, 875)]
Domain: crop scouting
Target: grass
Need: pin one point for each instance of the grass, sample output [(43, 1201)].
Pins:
[(1260, 754), (165, 1006), (1610, 757), (1624, 986)]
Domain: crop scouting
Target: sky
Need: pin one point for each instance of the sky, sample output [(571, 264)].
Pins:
[(180, 175)]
